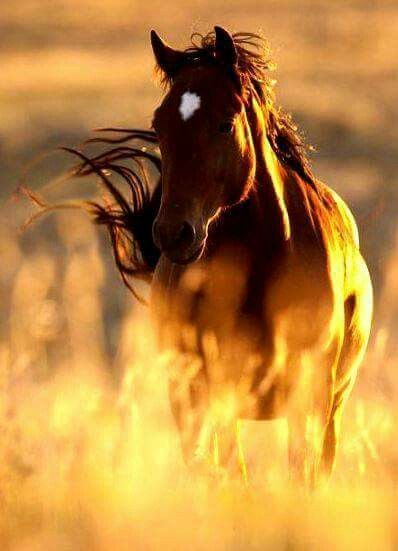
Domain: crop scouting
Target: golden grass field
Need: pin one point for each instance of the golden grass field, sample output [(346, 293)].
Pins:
[(89, 457)]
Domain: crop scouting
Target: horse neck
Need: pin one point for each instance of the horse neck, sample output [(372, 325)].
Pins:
[(268, 191)]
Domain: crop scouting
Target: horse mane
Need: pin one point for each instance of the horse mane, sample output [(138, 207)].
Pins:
[(130, 160), (253, 67), (128, 218)]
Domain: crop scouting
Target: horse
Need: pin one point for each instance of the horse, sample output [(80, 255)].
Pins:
[(254, 263)]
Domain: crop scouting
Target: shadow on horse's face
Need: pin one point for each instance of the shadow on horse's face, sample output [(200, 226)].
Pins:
[(207, 157)]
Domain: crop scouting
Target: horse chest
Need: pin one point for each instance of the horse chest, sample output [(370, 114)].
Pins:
[(220, 300)]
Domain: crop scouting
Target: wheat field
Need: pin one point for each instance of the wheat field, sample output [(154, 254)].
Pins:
[(89, 453)]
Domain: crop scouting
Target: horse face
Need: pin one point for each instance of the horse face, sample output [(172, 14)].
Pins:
[(207, 157)]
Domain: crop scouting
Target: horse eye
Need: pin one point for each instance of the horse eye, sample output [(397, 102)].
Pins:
[(226, 127)]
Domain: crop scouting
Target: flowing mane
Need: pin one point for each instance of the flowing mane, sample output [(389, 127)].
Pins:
[(134, 159), (129, 172), (254, 65)]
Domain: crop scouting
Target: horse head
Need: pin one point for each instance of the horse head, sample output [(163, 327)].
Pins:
[(208, 157)]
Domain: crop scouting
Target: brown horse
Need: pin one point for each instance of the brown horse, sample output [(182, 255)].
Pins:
[(256, 264)]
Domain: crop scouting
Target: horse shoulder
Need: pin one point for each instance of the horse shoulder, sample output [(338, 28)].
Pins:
[(299, 301), (305, 298)]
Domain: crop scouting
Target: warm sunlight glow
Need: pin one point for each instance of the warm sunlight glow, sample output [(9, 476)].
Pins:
[(83, 457), (90, 454)]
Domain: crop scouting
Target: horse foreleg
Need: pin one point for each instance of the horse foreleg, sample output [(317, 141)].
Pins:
[(332, 431), (357, 328), (330, 442), (297, 448), (188, 401), (308, 435), (228, 451), (308, 416)]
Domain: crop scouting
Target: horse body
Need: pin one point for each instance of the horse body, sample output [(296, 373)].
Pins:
[(281, 281), (258, 279), (308, 294)]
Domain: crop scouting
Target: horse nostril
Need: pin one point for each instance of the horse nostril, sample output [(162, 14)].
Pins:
[(166, 238), (186, 235), (156, 233)]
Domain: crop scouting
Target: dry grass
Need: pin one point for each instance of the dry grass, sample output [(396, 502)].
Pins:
[(89, 455)]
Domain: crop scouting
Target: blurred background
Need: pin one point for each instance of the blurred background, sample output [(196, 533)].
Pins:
[(66, 322), (70, 66)]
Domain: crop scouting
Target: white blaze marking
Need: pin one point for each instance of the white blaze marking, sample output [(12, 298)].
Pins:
[(190, 102)]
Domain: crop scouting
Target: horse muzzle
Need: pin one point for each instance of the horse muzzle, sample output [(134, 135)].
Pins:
[(179, 241)]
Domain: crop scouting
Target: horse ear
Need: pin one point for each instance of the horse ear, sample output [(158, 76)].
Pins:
[(225, 47), (168, 60)]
